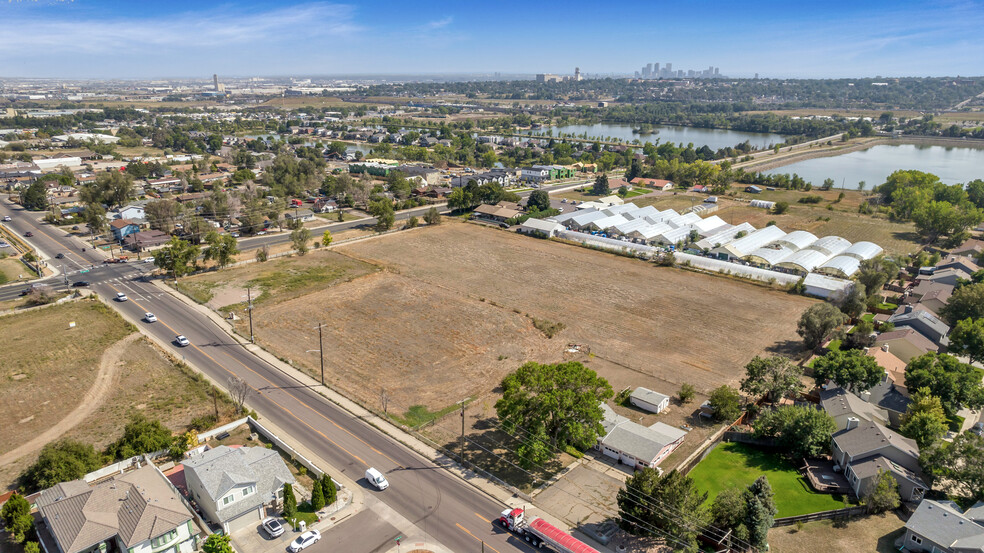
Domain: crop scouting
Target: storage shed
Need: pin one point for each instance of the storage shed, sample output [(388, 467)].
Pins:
[(648, 400)]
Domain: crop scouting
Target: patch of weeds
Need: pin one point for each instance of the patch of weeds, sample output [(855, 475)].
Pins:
[(548, 328)]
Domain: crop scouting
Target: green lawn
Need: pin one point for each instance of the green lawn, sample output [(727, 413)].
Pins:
[(734, 464), (870, 317)]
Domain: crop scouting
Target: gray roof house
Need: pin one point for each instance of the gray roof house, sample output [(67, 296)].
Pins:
[(923, 322), (844, 406), (888, 397), (864, 448), (136, 511), (941, 527), (634, 444), (234, 485), (648, 400)]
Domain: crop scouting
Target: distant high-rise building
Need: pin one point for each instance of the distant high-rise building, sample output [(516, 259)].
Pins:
[(717, 71), (215, 81), (756, 76), (577, 73), (655, 69), (648, 71), (669, 67)]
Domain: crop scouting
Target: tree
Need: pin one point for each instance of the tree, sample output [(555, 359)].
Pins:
[(317, 496), (290, 502), (851, 369), (326, 238), (563, 399), (729, 511), (874, 273), (412, 222), (686, 393), (161, 214), (800, 431), (780, 208), (726, 403), (884, 495), (16, 516), (300, 238), (217, 543), (539, 199), (967, 338), (775, 377), (856, 301), (937, 219), (649, 500), (382, 210), (958, 464), (112, 188), (177, 257), (329, 489), (35, 198), (600, 187), (60, 462), (817, 322), (32, 546), (860, 335), (432, 216), (925, 427), (956, 384), (221, 247), (967, 302), (240, 391), (140, 435)]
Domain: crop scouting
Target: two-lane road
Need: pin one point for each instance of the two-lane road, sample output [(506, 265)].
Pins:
[(449, 510)]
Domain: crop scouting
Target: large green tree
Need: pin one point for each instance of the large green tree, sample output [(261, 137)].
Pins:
[(140, 435), (600, 186), (958, 466), (800, 431), (317, 495), (290, 502), (221, 248), (217, 543), (382, 210), (925, 419), (562, 400), (726, 403), (329, 489), (967, 338), (851, 369), (956, 384), (539, 199), (967, 302), (817, 323), (299, 238), (35, 198), (177, 257), (874, 273), (670, 503), (59, 462), (16, 517), (884, 495), (775, 377)]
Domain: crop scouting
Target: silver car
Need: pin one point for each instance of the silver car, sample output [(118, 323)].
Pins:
[(305, 540)]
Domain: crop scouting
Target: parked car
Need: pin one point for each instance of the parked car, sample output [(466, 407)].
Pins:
[(148, 260), (978, 428), (182, 341), (120, 296), (80, 283), (273, 527), (304, 541), (150, 317)]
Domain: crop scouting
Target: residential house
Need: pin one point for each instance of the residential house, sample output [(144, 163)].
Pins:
[(648, 400), (970, 247), (634, 444), (233, 486), (658, 184), (961, 262), (923, 322), (865, 448), (942, 527), (894, 367), (846, 408), (535, 174), (121, 228), (951, 275), (133, 211), (134, 512), (302, 215), (495, 213), (324, 205), (891, 398), (146, 240), (905, 343)]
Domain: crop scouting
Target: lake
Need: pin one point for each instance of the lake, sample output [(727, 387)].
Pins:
[(951, 164), (714, 138)]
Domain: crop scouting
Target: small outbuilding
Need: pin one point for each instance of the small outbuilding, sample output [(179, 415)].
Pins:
[(648, 400)]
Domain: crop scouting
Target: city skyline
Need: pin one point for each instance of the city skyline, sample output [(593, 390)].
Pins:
[(106, 39)]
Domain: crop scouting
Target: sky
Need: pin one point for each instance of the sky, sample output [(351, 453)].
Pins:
[(139, 39)]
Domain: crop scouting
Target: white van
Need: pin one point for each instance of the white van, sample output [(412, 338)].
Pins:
[(377, 479)]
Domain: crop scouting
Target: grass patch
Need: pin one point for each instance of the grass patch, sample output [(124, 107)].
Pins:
[(635, 192), (955, 423), (548, 328), (834, 345), (419, 415), (306, 513), (870, 317), (887, 306), (333, 217), (733, 465), (294, 279), (198, 290)]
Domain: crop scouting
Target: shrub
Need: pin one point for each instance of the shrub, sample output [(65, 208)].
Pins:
[(811, 199), (548, 328), (686, 393)]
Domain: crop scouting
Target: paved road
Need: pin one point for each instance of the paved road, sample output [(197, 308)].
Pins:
[(448, 509)]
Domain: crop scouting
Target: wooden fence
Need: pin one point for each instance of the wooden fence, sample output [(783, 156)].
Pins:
[(822, 515)]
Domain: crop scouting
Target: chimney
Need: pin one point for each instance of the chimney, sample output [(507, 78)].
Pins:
[(865, 350), (884, 347), (852, 422)]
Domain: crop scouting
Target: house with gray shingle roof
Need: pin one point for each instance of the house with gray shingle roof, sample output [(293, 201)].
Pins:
[(865, 448), (233, 486), (139, 511), (634, 444), (941, 527)]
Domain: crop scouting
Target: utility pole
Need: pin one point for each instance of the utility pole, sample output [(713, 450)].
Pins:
[(249, 309), (462, 446), (321, 351)]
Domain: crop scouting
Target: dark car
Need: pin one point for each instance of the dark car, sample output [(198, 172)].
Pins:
[(80, 283), (28, 234), (60, 256)]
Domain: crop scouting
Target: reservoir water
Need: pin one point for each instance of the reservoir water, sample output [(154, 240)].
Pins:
[(951, 164), (713, 138)]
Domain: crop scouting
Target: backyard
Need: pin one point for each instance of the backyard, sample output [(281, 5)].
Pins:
[(738, 465), (869, 533)]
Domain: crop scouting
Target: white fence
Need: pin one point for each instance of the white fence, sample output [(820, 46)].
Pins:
[(727, 267)]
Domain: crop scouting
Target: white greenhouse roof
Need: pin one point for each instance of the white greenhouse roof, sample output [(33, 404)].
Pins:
[(805, 260), (639, 213), (582, 219), (651, 231), (770, 256), (830, 245), (607, 222), (755, 240), (863, 250), (673, 236), (724, 236), (631, 225), (706, 226), (843, 266), (797, 240), (619, 209)]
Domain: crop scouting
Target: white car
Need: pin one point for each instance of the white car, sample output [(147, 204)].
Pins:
[(120, 296), (150, 317), (273, 527), (149, 260), (978, 428), (6, 217), (182, 341), (304, 541)]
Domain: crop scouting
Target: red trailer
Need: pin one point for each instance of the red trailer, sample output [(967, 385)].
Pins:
[(539, 532)]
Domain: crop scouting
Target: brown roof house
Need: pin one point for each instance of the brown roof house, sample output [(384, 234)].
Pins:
[(905, 343), (139, 511)]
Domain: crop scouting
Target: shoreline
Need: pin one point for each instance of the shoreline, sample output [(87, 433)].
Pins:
[(769, 164)]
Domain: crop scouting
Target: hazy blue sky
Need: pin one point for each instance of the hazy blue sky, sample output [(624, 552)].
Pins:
[(177, 38)]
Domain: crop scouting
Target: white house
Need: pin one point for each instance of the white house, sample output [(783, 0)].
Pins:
[(634, 444), (651, 401)]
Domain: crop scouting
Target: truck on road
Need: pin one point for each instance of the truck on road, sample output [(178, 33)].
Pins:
[(539, 532)]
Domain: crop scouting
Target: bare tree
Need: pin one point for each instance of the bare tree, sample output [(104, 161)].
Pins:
[(240, 392)]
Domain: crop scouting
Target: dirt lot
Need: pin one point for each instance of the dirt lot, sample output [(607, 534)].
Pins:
[(870, 533), (60, 368)]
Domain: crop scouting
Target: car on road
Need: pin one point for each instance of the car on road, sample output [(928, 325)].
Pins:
[(377, 479), (80, 283), (181, 340), (273, 527), (305, 540), (150, 317), (120, 296), (978, 428), (28, 234), (6, 217), (235, 235), (60, 256), (148, 260), (261, 233)]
